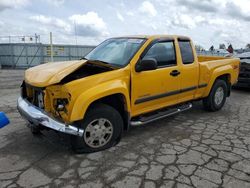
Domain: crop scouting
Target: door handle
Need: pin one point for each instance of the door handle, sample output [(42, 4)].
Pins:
[(175, 73)]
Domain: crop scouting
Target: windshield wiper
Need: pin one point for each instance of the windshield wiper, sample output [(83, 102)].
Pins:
[(100, 61), (104, 62), (82, 58)]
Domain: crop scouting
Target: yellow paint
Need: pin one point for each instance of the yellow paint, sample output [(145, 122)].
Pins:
[(51, 73), (81, 93)]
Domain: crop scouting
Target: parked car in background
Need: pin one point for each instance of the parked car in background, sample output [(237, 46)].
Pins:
[(244, 75), (222, 51)]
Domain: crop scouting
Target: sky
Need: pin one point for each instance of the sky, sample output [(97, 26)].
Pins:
[(88, 22)]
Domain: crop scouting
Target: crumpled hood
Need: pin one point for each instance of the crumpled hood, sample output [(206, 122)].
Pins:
[(51, 73)]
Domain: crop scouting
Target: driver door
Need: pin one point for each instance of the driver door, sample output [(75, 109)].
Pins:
[(154, 89)]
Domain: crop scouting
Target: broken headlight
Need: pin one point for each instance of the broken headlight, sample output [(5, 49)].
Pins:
[(60, 104)]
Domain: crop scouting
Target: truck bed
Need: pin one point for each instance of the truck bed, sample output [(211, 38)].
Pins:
[(212, 67), (213, 62), (202, 58)]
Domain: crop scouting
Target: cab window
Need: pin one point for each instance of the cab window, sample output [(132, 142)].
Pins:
[(163, 53), (186, 52)]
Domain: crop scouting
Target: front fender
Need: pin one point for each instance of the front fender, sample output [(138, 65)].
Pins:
[(84, 100), (224, 70)]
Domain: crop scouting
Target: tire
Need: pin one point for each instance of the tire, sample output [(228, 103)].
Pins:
[(35, 130), (215, 101), (95, 138)]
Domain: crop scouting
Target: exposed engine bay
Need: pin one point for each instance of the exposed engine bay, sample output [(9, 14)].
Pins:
[(87, 69)]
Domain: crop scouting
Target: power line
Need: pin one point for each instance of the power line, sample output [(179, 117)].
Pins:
[(21, 38)]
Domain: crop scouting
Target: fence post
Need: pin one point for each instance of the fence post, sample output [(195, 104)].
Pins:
[(41, 53), (12, 55), (26, 53), (51, 47)]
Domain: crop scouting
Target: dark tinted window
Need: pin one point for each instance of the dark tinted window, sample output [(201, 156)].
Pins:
[(186, 52), (163, 53)]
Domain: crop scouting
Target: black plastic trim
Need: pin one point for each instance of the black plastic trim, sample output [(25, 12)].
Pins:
[(202, 85), (184, 39), (188, 89), (167, 94)]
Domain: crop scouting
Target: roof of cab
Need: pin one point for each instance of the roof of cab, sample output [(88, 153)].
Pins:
[(154, 36)]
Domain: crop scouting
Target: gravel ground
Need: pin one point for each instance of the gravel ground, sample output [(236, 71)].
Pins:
[(192, 149)]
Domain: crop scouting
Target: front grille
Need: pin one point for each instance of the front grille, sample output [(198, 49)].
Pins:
[(40, 99), (33, 94)]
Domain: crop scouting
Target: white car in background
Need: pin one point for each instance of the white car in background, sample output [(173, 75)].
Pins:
[(222, 51)]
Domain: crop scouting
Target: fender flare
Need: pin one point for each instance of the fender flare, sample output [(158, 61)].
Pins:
[(93, 94), (225, 70)]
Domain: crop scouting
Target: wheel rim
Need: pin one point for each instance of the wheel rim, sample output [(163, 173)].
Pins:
[(98, 133), (219, 96)]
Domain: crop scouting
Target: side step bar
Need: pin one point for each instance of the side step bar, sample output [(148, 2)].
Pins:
[(160, 115)]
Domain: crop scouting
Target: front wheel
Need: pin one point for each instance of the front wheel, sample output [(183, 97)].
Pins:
[(217, 97), (34, 129), (102, 127)]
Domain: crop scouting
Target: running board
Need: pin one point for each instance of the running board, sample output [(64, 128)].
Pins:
[(160, 115)]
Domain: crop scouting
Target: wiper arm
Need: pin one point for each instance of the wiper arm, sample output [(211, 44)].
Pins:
[(114, 66), (82, 58), (100, 61)]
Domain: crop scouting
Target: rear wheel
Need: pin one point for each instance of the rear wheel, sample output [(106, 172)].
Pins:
[(102, 127), (217, 97)]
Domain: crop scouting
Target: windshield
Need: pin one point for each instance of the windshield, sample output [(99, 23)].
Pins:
[(116, 51)]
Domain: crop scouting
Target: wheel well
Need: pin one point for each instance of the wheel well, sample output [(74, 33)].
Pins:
[(226, 78), (118, 102)]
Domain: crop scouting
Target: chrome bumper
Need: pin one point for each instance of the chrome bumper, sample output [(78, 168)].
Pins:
[(38, 116)]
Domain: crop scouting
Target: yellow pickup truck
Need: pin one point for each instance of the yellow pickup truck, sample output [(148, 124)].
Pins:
[(123, 82)]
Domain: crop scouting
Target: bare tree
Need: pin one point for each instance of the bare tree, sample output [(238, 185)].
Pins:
[(230, 48), (211, 48), (199, 48), (222, 46)]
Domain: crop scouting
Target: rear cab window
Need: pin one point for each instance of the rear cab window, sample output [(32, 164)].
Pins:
[(186, 49)]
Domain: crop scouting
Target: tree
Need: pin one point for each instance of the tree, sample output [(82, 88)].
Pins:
[(222, 46), (230, 48), (248, 46), (199, 48), (211, 48)]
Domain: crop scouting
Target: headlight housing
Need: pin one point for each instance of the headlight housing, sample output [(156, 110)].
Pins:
[(60, 104)]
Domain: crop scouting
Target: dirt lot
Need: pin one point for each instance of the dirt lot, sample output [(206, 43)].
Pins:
[(192, 149)]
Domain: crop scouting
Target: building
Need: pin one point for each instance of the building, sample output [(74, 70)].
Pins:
[(25, 55)]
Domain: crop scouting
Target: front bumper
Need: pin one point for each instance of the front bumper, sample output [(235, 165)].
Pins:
[(38, 116)]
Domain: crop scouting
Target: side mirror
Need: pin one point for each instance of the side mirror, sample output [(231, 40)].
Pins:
[(146, 65)]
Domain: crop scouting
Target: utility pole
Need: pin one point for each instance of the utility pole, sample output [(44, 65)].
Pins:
[(76, 38), (51, 47), (75, 32), (36, 37)]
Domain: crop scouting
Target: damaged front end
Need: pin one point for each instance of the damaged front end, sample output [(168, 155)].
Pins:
[(45, 100), (35, 106), (53, 99)]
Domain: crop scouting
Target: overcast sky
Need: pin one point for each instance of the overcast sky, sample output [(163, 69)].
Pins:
[(206, 21)]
